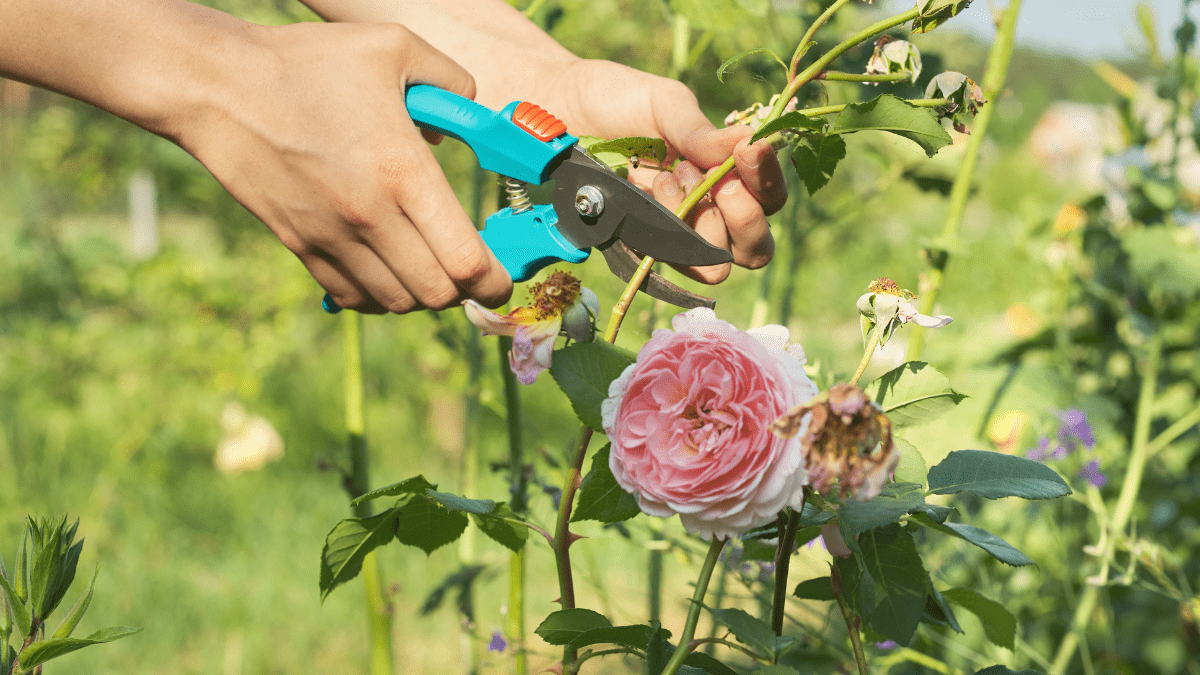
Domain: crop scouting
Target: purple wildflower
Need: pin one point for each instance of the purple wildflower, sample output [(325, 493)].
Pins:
[(498, 643), (1075, 430), (732, 556), (1091, 473), (1041, 452), (886, 645), (765, 571)]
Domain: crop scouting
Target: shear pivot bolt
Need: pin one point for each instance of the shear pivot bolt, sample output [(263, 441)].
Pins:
[(589, 201)]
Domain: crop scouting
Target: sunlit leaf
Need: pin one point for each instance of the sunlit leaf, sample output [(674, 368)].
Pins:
[(933, 13), (888, 113), (633, 146), (999, 549), (426, 524), (52, 648), (499, 526), (748, 630), (816, 157), (348, 543), (417, 485), (600, 497), (999, 624), (820, 588), (794, 120), (911, 468), (565, 625), (913, 393), (994, 475), (456, 503), (583, 371)]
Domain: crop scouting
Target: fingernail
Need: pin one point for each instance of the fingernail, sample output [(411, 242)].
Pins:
[(669, 186), (731, 186), (751, 159)]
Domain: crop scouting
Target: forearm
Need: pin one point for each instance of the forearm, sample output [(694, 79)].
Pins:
[(509, 56), (148, 61)]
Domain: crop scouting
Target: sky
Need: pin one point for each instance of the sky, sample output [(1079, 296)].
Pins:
[(1085, 28)]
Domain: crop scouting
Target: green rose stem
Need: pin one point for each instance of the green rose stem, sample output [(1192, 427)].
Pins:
[(686, 645), (872, 343), (860, 658), (993, 82), (1115, 527), (783, 561), (834, 76), (357, 484)]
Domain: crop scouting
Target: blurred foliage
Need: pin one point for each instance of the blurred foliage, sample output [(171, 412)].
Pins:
[(114, 370)]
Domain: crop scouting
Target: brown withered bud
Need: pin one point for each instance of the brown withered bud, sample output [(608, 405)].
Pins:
[(847, 439)]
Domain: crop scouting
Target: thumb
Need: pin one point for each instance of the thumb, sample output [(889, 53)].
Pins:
[(690, 133)]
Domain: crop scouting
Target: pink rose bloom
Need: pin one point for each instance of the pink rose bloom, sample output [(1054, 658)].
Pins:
[(690, 425)]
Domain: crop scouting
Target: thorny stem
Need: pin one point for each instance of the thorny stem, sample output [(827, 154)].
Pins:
[(1123, 510), (872, 343), (562, 530), (860, 658), (802, 47), (993, 82), (574, 667), (783, 560), (686, 644)]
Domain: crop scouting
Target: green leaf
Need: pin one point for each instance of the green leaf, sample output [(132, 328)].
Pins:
[(41, 652), (416, 485), (892, 559), (1161, 258), (699, 662), (748, 630), (57, 588), (820, 588), (630, 636), (20, 612), (454, 502), (729, 62), (600, 498), (1002, 670), (426, 524), (913, 393), (934, 13), (68, 624), (633, 146), (499, 527), (348, 543), (994, 475), (794, 120), (583, 371), (999, 549), (999, 624), (20, 582), (911, 468), (888, 113), (45, 567), (565, 625), (893, 501), (656, 650), (937, 609), (815, 158)]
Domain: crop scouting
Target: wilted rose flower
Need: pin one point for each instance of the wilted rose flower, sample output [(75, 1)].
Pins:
[(963, 97), (690, 424), (845, 439), (558, 303), (887, 305), (895, 56)]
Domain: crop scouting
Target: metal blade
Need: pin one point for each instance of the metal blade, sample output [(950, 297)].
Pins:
[(623, 263), (628, 213)]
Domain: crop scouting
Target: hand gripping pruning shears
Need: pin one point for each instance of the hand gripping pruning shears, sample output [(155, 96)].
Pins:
[(591, 206)]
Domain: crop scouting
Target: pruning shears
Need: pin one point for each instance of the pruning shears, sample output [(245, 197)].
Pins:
[(591, 206)]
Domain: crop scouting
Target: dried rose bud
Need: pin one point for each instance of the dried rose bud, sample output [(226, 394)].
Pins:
[(847, 439)]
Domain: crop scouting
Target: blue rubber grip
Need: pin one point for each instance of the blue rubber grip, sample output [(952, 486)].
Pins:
[(500, 145), (526, 242)]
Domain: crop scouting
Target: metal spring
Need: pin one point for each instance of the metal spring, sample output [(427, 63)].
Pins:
[(517, 194)]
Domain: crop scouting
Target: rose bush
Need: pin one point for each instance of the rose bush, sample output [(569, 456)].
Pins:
[(690, 424)]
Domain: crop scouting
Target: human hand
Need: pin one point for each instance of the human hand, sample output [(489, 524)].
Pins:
[(610, 100), (309, 131)]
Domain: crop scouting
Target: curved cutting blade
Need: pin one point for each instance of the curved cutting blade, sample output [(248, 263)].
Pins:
[(623, 263)]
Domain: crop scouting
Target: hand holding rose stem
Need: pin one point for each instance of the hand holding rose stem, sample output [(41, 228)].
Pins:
[(562, 535)]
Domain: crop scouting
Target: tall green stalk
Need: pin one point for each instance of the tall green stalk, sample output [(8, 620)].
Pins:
[(379, 616), (1115, 527), (993, 82), (686, 646)]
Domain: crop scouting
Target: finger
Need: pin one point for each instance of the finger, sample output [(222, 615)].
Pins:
[(422, 63), (344, 291), (400, 270), (760, 172), (688, 131), (745, 222), (707, 221)]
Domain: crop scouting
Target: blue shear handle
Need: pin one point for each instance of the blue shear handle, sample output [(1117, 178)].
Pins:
[(526, 242), (500, 145)]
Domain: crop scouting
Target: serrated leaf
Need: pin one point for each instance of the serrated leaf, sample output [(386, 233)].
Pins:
[(891, 557), (748, 630), (600, 497), (454, 502), (794, 120), (584, 371), (427, 525), (820, 588), (999, 624), (913, 393), (348, 543), (499, 527), (20, 612), (893, 501), (642, 147), (52, 648), (816, 157), (565, 625), (911, 468), (630, 636), (999, 549), (938, 608), (69, 623), (888, 113), (417, 485), (730, 61), (993, 475), (934, 13)]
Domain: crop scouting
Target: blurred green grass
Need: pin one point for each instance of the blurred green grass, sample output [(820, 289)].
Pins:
[(114, 371)]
